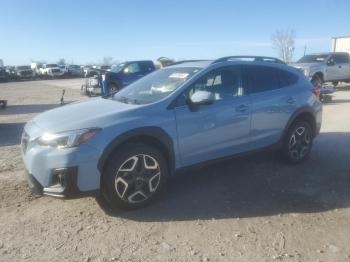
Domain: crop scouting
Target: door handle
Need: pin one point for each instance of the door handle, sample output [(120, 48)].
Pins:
[(291, 100), (339, 66), (242, 108)]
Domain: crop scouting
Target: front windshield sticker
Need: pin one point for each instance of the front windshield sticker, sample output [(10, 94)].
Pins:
[(179, 75)]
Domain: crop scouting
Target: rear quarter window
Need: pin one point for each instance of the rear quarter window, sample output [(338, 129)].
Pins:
[(287, 78)]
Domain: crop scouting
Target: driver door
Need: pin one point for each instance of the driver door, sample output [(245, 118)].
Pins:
[(217, 130)]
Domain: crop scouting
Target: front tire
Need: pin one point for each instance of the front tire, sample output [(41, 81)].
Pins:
[(114, 87), (297, 143), (134, 176)]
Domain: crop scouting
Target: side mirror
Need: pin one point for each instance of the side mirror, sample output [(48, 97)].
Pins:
[(202, 98), (330, 62), (126, 70)]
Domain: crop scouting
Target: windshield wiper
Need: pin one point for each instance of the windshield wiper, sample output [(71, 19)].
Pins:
[(127, 100)]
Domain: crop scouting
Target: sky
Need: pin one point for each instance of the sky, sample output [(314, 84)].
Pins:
[(86, 31)]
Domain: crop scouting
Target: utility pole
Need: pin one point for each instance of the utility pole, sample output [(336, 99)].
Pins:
[(305, 49)]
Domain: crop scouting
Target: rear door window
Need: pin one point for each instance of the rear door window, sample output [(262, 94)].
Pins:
[(146, 67), (265, 78)]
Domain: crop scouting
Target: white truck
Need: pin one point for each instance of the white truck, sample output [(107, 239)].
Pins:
[(36, 66), (320, 68), (51, 70)]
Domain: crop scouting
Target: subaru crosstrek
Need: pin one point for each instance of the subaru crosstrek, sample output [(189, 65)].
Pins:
[(126, 145)]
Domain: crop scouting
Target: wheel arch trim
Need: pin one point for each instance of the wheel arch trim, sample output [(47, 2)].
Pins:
[(155, 133), (301, 111)]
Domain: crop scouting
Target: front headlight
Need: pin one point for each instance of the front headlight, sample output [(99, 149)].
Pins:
[(67, 139)]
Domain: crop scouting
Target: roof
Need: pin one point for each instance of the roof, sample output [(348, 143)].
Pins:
[(346, 36)]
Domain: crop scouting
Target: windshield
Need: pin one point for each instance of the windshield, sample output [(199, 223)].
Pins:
[(313, 58), (155, 86), (118, 68), (23, 67)]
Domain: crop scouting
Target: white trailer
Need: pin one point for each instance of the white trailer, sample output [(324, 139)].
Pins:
[(341, 44)]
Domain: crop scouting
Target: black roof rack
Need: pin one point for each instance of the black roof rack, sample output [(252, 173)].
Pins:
[(249, 58)]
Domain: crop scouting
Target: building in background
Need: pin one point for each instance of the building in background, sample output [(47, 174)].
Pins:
[(341, 44)]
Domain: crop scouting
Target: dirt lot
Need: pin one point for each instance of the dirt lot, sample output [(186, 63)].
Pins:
[(250, 209)]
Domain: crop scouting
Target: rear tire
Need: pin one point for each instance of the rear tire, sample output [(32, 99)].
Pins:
[(134, 176), (297, 143)]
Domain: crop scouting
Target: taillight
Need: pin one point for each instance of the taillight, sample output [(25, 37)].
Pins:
[(316, 91)]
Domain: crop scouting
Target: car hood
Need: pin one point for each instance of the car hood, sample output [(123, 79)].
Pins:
[(98, 112), (306, 65)]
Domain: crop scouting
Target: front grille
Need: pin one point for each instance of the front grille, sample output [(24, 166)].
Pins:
[(55, 70), (24, 141)]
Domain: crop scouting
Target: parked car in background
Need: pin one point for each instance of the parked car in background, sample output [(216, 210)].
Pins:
[(325, 67), (51, 70), (118, 77), (11, 72), (35, 66), (91, 87), (125, 73), (75, 71), (64, 69), (96, 70), (86, 70), (24, 72), (126, 145), (4, 77)]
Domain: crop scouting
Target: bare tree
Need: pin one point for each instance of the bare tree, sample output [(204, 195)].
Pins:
[(108, 60), (61, 61), (283, 41)]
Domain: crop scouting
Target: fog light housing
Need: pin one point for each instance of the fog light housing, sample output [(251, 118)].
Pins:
[(63, 182)]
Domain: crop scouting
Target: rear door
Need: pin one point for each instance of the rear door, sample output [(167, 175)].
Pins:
[(146, 68), (342, 61), (273, 98)]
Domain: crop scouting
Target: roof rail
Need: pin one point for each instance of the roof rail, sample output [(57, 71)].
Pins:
[(189, 61), (249, 58)]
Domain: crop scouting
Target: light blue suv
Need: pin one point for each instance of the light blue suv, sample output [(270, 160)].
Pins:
[(127, 144)]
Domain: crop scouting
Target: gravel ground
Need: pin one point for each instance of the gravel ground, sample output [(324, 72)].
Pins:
[(250, 209)]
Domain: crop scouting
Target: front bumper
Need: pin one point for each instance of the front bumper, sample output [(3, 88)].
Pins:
[(63, 184), (60, 172)]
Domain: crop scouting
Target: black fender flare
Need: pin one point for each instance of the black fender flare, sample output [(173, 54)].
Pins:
[(295, 115), (155, 133)]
